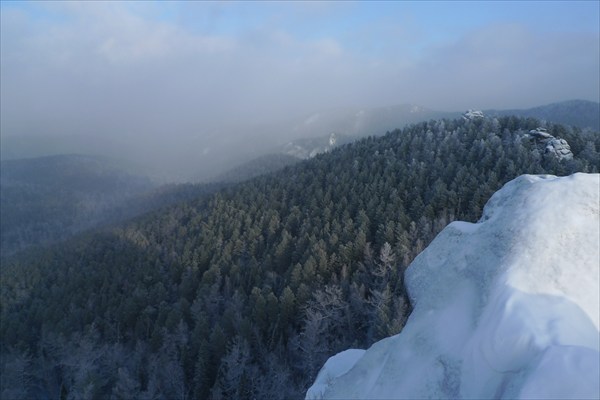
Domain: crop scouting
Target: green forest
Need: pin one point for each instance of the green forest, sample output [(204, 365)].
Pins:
[(244, 291)]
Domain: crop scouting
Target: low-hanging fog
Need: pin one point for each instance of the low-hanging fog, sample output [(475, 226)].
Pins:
[(186, 89)]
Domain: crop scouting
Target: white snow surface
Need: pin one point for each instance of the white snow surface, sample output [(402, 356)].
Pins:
[(504, 308), (335, 367)]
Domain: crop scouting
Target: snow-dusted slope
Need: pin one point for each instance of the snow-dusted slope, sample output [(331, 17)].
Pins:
[(504, 308)]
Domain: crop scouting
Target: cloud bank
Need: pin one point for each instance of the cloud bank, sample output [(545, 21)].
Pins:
[(137, 70), (121, 70)]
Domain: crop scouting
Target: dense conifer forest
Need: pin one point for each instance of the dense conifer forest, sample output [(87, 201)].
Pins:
[(244, 293)]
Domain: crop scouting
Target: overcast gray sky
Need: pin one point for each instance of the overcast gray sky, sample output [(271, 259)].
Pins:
[(158, 68)]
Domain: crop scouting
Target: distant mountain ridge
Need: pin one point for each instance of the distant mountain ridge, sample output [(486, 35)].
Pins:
[(204, 154), (579, 113), (351, 124), (47, 199), (75, 168)]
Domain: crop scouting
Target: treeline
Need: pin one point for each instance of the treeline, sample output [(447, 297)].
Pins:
[(245, 293)]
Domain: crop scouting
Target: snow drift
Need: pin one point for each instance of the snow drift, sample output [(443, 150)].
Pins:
[(504, 308)]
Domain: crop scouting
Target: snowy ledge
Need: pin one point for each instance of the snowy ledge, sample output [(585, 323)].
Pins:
[(505, 308)]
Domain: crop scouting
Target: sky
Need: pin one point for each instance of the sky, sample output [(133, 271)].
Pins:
[(155, 68)]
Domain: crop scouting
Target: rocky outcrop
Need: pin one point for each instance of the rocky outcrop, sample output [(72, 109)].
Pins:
[(505, 308), (332, 139), (473, 114), (550, 145)]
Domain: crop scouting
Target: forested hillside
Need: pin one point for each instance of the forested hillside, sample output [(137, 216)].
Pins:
[(245, 293), (49, 199), (579, 113)]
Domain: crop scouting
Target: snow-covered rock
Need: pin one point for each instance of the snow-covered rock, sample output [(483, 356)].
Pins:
[(473, 114), (559, 148), (332, 139), (504, 308), (540, 133), (335, 367), (550, 145)]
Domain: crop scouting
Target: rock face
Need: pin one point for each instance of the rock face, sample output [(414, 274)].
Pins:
[(550, 145), (559, 148), (508, 307), (473, 114)]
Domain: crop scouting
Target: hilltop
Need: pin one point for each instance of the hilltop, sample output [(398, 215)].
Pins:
[(504, 308)]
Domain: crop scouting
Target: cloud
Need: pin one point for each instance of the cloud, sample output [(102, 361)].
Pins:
[(130, 70), (508, 66)]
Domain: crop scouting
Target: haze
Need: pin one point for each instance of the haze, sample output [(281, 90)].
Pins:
[(170, 82)]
